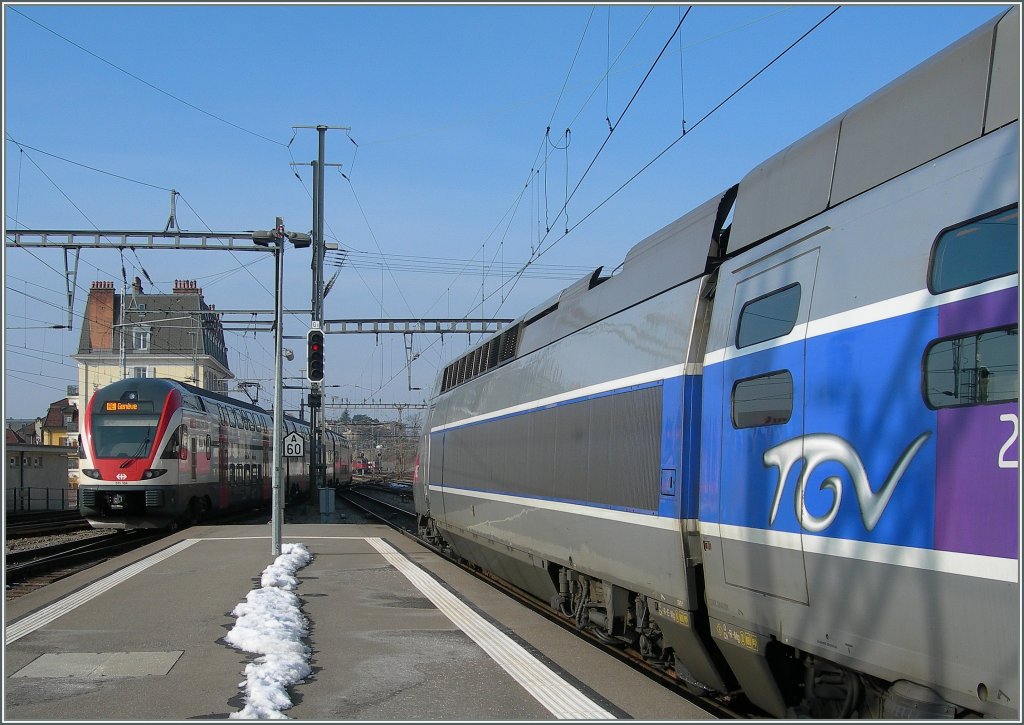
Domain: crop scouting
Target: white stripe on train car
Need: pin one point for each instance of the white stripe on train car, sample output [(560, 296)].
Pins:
[(875, 312), (650, 376), (946, 562), (648, 520)]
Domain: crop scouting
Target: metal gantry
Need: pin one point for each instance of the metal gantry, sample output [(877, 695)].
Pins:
[(403, 326)]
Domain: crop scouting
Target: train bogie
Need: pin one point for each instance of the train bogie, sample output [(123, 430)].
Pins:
[(780, 453)]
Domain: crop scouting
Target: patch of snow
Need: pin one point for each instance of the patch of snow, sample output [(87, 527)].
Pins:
[(270, 624)]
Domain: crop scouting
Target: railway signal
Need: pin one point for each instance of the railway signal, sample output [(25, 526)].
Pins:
[(315, 356)]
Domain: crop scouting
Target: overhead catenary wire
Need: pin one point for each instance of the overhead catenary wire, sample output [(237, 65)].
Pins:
[(145, 82), (85, 166), (120, 250), (544, 144), (542, 251)]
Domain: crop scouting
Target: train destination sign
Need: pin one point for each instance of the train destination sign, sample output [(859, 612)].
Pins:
[(294, 446), (115, 406)]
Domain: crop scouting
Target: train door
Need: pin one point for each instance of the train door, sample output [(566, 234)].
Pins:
[(763, 427), (192, 455)]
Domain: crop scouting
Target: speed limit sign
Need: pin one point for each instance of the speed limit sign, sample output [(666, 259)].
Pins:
[(294, 446)]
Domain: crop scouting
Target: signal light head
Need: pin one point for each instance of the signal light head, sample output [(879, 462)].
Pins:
[(315, 356)]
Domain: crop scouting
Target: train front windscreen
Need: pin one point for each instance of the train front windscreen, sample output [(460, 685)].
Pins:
[(124, 427)]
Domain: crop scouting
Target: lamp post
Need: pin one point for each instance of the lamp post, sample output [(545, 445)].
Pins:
[(265, 238)]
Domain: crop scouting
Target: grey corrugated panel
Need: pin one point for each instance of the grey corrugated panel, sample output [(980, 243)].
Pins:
[(789, 187), (552, 452), (1004, 89), (930, 110)]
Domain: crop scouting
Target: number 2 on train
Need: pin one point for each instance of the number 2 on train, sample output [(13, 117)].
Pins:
[(1005, 462)]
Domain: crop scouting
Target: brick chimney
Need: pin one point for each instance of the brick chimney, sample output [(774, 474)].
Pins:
[(99, 311), (186, 286)]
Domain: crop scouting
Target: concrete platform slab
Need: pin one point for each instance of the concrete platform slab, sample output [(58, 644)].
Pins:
[(396, 633)]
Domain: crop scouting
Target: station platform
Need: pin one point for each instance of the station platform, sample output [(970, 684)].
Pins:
[(395, 633)]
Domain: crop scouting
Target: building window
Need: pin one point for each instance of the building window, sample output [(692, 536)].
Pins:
[(764, 400), (144, 372), (768, 317), (140, 337), (973, 369), (970, 253)]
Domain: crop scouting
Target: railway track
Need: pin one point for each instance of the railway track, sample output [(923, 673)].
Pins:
[(384, 505), (20, 525), (374, 502), (31, 569)]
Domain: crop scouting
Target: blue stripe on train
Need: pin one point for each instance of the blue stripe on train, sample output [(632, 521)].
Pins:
[(862, 404)]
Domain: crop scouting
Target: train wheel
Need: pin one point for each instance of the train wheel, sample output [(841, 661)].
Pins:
[(194, 513)]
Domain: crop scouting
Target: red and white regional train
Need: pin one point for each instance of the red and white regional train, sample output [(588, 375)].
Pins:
[(157, 452)]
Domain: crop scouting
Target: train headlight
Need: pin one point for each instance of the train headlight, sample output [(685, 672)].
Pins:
[(92, 473), (153, 473)]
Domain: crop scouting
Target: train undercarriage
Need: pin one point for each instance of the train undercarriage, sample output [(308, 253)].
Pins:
[(678, 643)]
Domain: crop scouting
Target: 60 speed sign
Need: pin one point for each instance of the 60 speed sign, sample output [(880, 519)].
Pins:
[(294, 446)]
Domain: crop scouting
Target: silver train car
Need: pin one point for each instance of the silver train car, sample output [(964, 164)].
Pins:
[(156, 453), (778, 452)]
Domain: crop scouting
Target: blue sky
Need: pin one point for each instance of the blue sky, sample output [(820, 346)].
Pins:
[(448, 108)]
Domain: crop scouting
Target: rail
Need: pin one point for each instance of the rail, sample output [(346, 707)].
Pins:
[(32, 562), (19, 525)]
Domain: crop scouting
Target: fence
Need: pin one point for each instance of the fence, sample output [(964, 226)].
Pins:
[(41, 499)]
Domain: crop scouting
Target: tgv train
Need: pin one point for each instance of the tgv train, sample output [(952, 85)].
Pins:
[(778, 451), (156, 453)]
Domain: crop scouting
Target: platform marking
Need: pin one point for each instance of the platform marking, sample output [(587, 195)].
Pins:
[(560, 698), (36, 620)]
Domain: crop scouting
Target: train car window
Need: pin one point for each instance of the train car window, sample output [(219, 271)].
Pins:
[(492, 353), (764, 400), (231, 473), (509, 342), (479, 358), (209, 448), (973, 369), (974, 252), (171, 449), (769, 316), (246, 473)]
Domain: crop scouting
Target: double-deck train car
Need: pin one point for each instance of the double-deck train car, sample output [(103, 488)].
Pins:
[(778, 451), (156, 453)]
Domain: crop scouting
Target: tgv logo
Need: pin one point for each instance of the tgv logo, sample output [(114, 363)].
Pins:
[(819, 448)]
